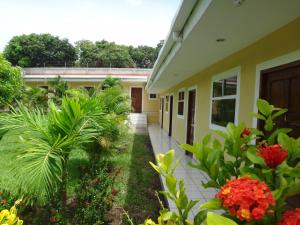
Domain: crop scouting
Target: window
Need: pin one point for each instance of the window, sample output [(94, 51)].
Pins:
[(88, 88), (44, 87), (167, 104), (180, 108), (224, 100), (152, 96)]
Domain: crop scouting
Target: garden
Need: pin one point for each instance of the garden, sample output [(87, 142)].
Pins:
[(67, 156)]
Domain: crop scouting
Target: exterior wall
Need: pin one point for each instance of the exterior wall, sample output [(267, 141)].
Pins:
[(281, 43), (150, 107)]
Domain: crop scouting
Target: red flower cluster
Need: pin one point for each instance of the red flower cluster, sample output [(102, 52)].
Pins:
[(291, 217), (273, 155), (246, 198), (246, 132)]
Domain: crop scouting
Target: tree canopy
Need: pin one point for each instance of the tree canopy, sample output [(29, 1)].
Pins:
[(36, 50), (10, 81)]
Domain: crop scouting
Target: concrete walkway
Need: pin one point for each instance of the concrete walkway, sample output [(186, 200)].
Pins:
[(138, 122), (161, 143)]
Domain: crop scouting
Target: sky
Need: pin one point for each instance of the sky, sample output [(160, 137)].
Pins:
[(129, 22)]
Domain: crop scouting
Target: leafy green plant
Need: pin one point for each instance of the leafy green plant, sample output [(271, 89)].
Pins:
[(255, 171), (10, 82)]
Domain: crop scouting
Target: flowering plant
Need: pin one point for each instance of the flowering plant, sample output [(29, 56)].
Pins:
[(254, 170), (291, 217), (246, 198)]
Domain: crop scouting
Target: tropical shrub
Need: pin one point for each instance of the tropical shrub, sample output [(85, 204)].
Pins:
[(10, 82), (254, 170)]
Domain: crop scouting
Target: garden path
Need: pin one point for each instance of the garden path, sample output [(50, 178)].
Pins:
[(192, 177)]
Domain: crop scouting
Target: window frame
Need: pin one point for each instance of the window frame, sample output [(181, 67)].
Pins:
[(184, 97), (227, 74), (152, 99)]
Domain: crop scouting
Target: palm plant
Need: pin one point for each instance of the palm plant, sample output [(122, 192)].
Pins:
[(57, 89), (110, 82), (47, 141)]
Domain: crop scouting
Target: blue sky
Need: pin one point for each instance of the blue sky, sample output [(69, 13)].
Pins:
[(130, 22)]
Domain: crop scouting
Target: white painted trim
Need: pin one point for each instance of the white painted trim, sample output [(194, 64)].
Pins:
[(281, 60), (181, 90), (161, 97), (194, 87), (229, 73), (142, 94)]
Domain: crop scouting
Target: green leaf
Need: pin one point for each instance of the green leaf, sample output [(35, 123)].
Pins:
[(210, 184), (253, 157), (258, 116), (168, 160), (215, 219), (188, 148), (269, 124), (264, 107), (200, 217), (213, 204), (171, 184), (279, 113)]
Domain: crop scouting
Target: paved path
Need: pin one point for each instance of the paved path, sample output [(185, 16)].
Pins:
[(161, 143), (138, 122)]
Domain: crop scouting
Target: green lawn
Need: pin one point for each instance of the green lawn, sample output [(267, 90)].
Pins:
[(136, 181)]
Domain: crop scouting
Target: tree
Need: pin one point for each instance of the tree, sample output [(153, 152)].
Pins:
[(103, 54), (87, 53), (36, 50), (10, 82), (145, 56)]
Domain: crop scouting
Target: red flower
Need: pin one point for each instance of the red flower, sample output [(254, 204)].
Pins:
[(246, 198), (246, 132), (273, 155), (291, 217)]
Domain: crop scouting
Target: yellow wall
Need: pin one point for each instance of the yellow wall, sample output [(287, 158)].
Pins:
[(281, 42), (150, 107)]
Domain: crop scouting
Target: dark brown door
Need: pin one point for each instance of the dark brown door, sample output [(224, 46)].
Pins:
[(171, 115), (191, 117), (162, 112), (136, 99), (281, 87)]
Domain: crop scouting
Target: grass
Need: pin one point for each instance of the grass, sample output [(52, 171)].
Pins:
[(136, 182)]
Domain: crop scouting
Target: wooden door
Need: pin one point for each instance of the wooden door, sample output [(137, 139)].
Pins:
[(162, 106), (191, 117), (136, 99), (281, 87), (171, 115)]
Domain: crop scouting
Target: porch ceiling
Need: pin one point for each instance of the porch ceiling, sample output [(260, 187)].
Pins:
[(240, 26)]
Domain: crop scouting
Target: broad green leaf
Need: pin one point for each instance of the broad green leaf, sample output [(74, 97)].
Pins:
[(253, 157), (215, 219), (279, 113), (188, 148), (171, 184), (264, 107), (268, 124), (258, 116), (213, 203), (210, 184), (200, 217)]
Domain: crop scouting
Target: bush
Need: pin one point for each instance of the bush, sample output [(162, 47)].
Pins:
[(10, 82), (255, 172)]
